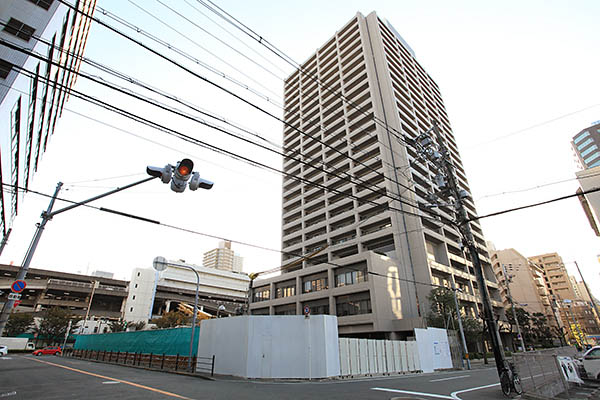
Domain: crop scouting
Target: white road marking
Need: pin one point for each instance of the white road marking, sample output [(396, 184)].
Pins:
[(437, 396), (5, 358), (447, 379), (109, 382), (455, 394), (8, 394)]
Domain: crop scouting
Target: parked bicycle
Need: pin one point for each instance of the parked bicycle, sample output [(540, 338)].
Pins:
[(510, 380)]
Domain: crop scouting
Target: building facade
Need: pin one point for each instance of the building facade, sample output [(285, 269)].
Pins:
[(34, 87), (358, 238), (556, 277), (153, 293), (223, 258), (586, 145), (590, 202), (525, 280)]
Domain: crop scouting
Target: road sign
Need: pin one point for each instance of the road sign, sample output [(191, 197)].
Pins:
[(14, 296), (306, 310), (18, 286)]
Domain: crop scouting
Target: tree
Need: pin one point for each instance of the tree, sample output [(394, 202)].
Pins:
[(137, 326), (117, 326), (524, 320), (171, 319), (541, 330), (443, 308), (53, 325), (18, 323)]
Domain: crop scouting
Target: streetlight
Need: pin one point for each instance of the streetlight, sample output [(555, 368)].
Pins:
[(178, 177), (160, 264), (221, 308)]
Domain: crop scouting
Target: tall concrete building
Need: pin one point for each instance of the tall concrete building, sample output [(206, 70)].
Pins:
[(586, 145), (358, 238), (33, 90), (223, 258), (556, 276), (590, 202)]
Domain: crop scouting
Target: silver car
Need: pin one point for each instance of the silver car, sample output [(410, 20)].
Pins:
[(591, 362), (3, 350)]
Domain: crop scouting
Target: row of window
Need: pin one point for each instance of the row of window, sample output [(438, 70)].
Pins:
[(354, 304), (343, 278)]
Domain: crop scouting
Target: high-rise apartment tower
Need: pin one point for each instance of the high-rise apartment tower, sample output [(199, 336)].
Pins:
[(359, 238)]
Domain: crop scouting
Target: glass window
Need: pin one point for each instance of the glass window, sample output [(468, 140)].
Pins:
[(355, 304), (591, 158), (588, 151), (19, 29), (582, 145), (580, 138)]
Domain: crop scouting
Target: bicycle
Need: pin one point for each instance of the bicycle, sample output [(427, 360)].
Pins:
[(510, 380)]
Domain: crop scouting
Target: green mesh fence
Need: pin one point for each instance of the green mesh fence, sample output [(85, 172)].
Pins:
[(160, 341)]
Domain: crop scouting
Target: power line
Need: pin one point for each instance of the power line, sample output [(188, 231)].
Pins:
[(155, 222), (360, 183), (534, 204), (256, 107)]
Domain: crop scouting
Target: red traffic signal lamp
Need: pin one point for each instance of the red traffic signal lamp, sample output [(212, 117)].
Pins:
[(180, 175)]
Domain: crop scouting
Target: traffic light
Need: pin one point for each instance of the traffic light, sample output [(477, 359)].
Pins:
[(183, 173), (180, 175)]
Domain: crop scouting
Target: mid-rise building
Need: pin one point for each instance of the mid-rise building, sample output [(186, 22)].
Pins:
[(223, 258), (586, 145), (153, 293), (525, 280), (358, 238), (34, 86), (556, 277)]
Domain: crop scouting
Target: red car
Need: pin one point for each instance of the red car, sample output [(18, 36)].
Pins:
[(52, 350)]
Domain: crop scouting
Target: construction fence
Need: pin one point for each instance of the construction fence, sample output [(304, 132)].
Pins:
[(370, 356)]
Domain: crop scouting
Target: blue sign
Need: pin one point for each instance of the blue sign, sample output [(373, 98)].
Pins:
[(18, 286)]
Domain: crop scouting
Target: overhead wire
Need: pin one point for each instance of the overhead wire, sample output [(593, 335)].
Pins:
[(187, 230), (252, 105), (361, 182)]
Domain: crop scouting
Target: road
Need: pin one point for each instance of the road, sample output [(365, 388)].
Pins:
[(49, 377)]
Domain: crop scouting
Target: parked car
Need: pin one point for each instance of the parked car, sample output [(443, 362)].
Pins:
[(3, 350), (591, 362), (52, 350)]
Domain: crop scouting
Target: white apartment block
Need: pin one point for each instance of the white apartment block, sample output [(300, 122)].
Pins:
[(351, 248), (152, 293)]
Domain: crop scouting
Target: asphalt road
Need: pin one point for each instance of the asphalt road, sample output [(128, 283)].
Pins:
[(50, 377)]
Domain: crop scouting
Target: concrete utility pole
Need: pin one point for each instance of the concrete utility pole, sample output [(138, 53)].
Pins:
[(435, 150), (95, 286), (507, 279), (460, 327), (5, 240), (587, 289)]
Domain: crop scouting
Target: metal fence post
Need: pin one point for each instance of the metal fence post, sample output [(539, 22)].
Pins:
[(150, 362), (212, 369), (177, 362)]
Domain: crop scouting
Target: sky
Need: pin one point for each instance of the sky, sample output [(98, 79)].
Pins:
[(519, 80)]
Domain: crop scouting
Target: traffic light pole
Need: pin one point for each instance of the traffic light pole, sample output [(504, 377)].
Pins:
[(47, 216)]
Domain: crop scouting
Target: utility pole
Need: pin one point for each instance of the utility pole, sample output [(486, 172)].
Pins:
[(436, 151), (46, 216), (95, 286), (587, 289), (460, 327), (508, 279)]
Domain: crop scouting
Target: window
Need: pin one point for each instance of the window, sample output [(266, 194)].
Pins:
[(136, 285), (286, 291), (582, 145), (5, 68), (314, 284), (133, 298), (262, 294), (591, 158), (19, 29), (131, 309), (45, 4), (354, 304), (589, 150), (350, 278), (138, 274), (580, 138)]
